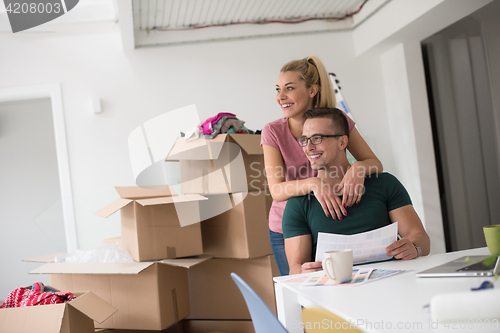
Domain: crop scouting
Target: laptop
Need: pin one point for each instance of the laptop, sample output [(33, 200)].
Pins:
[(460, 268)]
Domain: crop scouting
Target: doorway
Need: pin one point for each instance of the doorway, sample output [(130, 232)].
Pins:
[(36, 215), (465, 130)]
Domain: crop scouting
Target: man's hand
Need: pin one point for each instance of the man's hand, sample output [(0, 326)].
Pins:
[(402, 249), (310, 267)]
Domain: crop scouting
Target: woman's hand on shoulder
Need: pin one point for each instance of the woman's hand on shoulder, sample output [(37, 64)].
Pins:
[(353, 185), (329, 201)]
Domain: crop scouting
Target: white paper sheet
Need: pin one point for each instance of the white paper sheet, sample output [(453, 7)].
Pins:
[(359, 275), (366, 246)]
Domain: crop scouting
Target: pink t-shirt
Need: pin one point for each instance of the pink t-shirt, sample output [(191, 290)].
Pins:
[(277, 135)]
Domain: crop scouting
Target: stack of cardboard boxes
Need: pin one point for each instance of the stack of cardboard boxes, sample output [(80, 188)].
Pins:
[(229, 172), (182, 273)]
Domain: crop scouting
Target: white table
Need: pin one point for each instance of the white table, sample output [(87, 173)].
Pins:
[(392, 304)]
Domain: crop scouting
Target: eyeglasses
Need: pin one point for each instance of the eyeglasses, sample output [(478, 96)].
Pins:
[(315, 139)]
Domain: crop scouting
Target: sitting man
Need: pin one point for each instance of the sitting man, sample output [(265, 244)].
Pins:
[(324, 140)]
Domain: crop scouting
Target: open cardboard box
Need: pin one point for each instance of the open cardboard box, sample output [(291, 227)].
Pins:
[(241, 231), (228, 163), (157, 224), (148, 295), (213, 295), (76, 316)]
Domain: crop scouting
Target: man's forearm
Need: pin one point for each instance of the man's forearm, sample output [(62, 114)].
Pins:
[(423, 241), (298, 251), (295, 269)]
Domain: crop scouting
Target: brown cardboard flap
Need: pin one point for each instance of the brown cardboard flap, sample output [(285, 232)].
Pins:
[(113, 207), (250, 143), (208, 149), (239, 197), (93, 306), (32, 319), (48, 258), (216, 144), (189, 150), (169, 200), (200, 149), (92, 268), (136, 192), (186, 262)]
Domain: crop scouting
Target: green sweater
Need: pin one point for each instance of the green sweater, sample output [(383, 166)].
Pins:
[(383, 193)]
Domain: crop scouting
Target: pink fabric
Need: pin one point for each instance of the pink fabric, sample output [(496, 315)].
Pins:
[(277, 135), (207, 125), (29, 297)]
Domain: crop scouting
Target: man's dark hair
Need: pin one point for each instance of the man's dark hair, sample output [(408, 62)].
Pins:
[(338, 117)]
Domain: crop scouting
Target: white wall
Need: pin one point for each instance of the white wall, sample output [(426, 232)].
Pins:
[(411, 135), (410, 20)]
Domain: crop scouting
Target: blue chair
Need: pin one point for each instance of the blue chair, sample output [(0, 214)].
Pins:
[(263, 319)]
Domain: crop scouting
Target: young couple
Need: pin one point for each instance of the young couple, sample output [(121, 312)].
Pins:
[(337, 203)]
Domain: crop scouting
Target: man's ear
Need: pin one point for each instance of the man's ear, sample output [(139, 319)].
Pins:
[(343, 140), (313, 90)]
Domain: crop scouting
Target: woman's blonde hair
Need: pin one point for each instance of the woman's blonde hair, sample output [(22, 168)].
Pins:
[(312, 71)]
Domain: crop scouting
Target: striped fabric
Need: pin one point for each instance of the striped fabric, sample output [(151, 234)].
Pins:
[(30, 297)]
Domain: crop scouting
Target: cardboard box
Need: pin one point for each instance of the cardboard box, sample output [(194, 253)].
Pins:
[(220, 326), (214, 295), (228, 163), (240, 232), (175, 328), (76, 316), (148, 295), (157, 224)]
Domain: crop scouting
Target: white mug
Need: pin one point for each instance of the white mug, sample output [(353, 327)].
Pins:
[(337, 265)]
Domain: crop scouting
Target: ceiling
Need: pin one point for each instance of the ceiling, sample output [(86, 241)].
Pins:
[(175, 15), (168, 22), (146, 23)]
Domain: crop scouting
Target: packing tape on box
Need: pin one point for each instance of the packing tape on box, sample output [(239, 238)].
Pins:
[(480, 304), (233, 151), (171, 252)]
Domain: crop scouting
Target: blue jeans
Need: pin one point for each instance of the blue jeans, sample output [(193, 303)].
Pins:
[(278, 247)]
